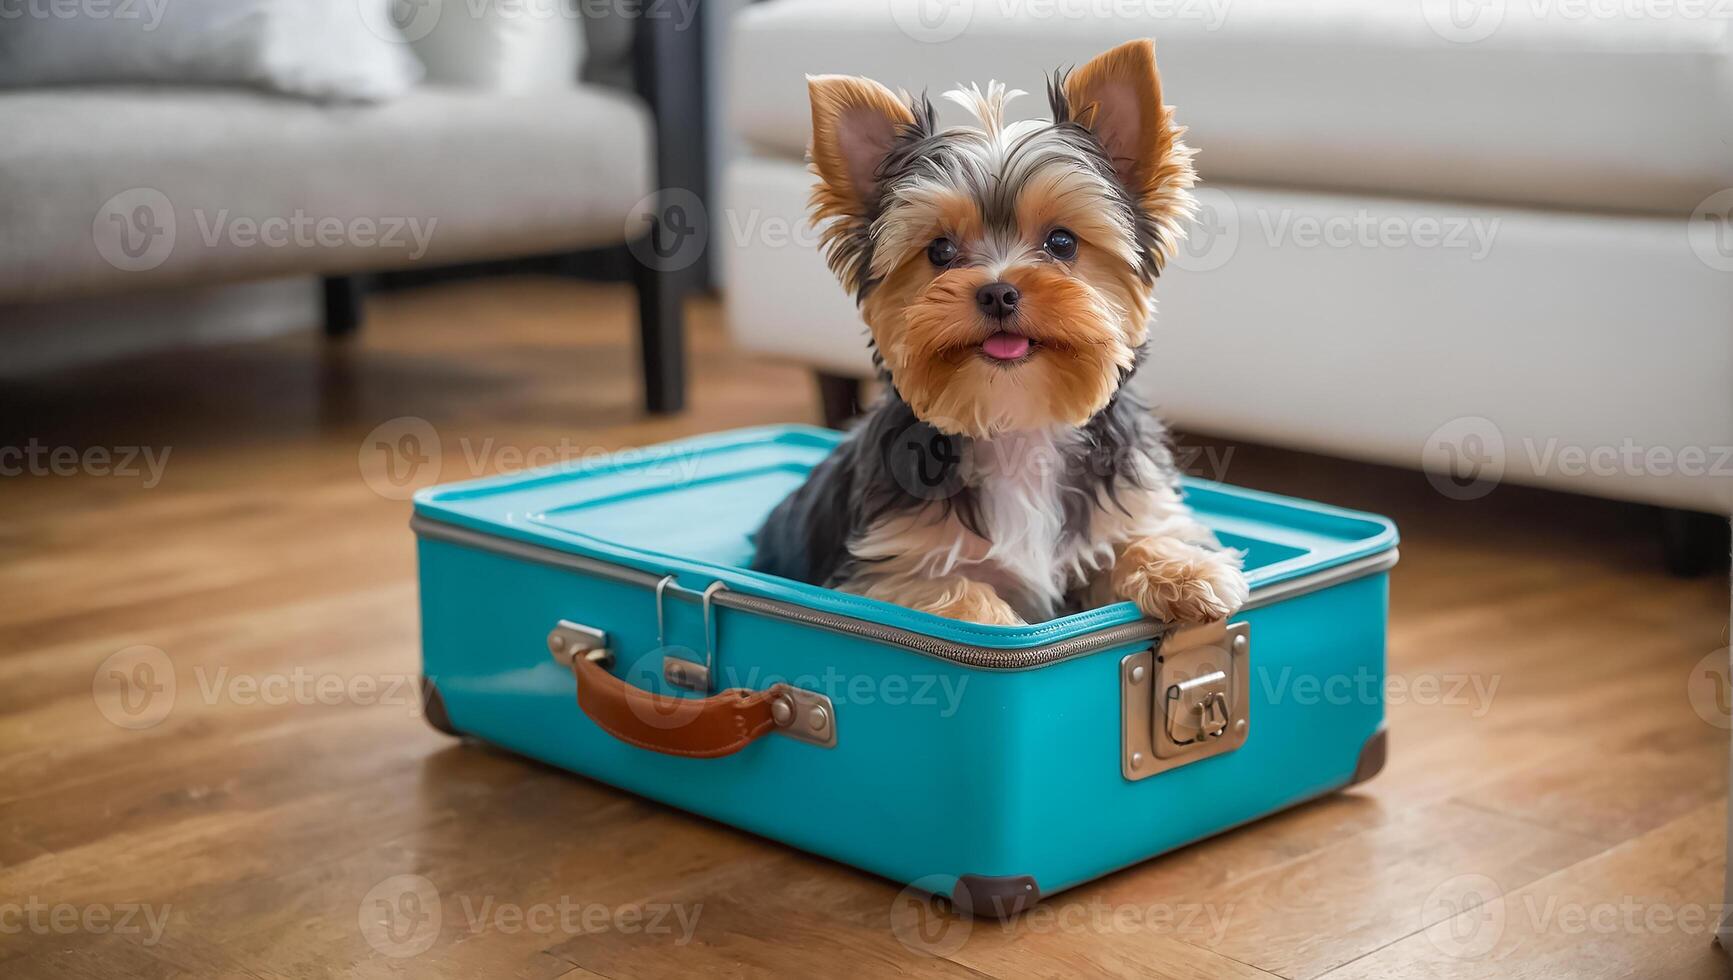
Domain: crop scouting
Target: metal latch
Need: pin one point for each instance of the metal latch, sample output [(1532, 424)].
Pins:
[(1197, 709), (677, 670), (1186, 699)]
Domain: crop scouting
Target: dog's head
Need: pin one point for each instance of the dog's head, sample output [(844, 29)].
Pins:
[(1006, 271)]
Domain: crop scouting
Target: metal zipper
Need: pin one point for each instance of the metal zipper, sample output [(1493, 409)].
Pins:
[(966, 654)]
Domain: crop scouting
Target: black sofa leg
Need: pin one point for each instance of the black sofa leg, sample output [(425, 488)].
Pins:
[(661, 339), (839, 398), (342, 306), (1693, 543), (668, 67)]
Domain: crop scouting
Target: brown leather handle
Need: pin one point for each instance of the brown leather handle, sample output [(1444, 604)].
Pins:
[(698, 728)]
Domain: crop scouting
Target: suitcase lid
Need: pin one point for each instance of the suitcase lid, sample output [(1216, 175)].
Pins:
[(688, 509)]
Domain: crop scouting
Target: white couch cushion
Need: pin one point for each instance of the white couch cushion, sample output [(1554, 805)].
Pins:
[(502, 46), (1555, 108), (136, 188), (340, 50)]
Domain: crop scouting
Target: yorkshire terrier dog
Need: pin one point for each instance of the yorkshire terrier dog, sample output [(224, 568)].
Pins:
[(1006, 274)]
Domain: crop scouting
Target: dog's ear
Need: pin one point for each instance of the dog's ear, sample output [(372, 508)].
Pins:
[(855, 121), (1117, 96)]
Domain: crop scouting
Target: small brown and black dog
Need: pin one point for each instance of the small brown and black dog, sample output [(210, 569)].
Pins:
[(1007, 275)]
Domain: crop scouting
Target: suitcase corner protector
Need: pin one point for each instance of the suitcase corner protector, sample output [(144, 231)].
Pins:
[(1373, 755), (433, 708), (995, 897)]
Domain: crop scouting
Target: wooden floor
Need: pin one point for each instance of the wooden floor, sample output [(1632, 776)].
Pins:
[(211, 761)]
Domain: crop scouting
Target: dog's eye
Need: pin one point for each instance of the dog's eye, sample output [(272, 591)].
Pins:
[(1061, 244), (942, 252)]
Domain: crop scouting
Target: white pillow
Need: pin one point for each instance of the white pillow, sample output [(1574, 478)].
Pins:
[(341, 50), (513, 46)]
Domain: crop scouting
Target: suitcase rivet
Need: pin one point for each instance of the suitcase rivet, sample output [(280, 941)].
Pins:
[(1136, 759), (1137, 674), (781, 711), (818, 719), (557, 643), (1240, 643)]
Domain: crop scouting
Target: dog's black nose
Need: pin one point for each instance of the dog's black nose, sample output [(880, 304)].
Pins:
[(997, 299)]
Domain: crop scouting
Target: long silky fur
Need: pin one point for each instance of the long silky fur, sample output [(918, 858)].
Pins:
[(806, 537)]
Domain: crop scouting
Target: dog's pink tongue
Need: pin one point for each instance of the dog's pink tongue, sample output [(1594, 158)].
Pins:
[(1004, 346)]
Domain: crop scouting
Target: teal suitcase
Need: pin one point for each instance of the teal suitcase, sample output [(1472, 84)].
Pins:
[(602, 618)]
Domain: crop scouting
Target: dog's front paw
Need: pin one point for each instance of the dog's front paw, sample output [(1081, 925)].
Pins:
[(1179, 582), (972, 602)]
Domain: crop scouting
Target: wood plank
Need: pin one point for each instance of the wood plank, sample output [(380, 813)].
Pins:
[(1646, 908), (1303, 917)]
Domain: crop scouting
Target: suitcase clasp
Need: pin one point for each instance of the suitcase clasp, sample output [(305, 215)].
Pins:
[(1187, 698), (679, 671), (1197, 709), (569, 639)]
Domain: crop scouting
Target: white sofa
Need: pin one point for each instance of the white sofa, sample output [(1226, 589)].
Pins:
[(1497, 248), (128, 190), (441, 175)]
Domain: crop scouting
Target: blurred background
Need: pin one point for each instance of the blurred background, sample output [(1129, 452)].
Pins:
[(1485, 239), (268, 266)]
